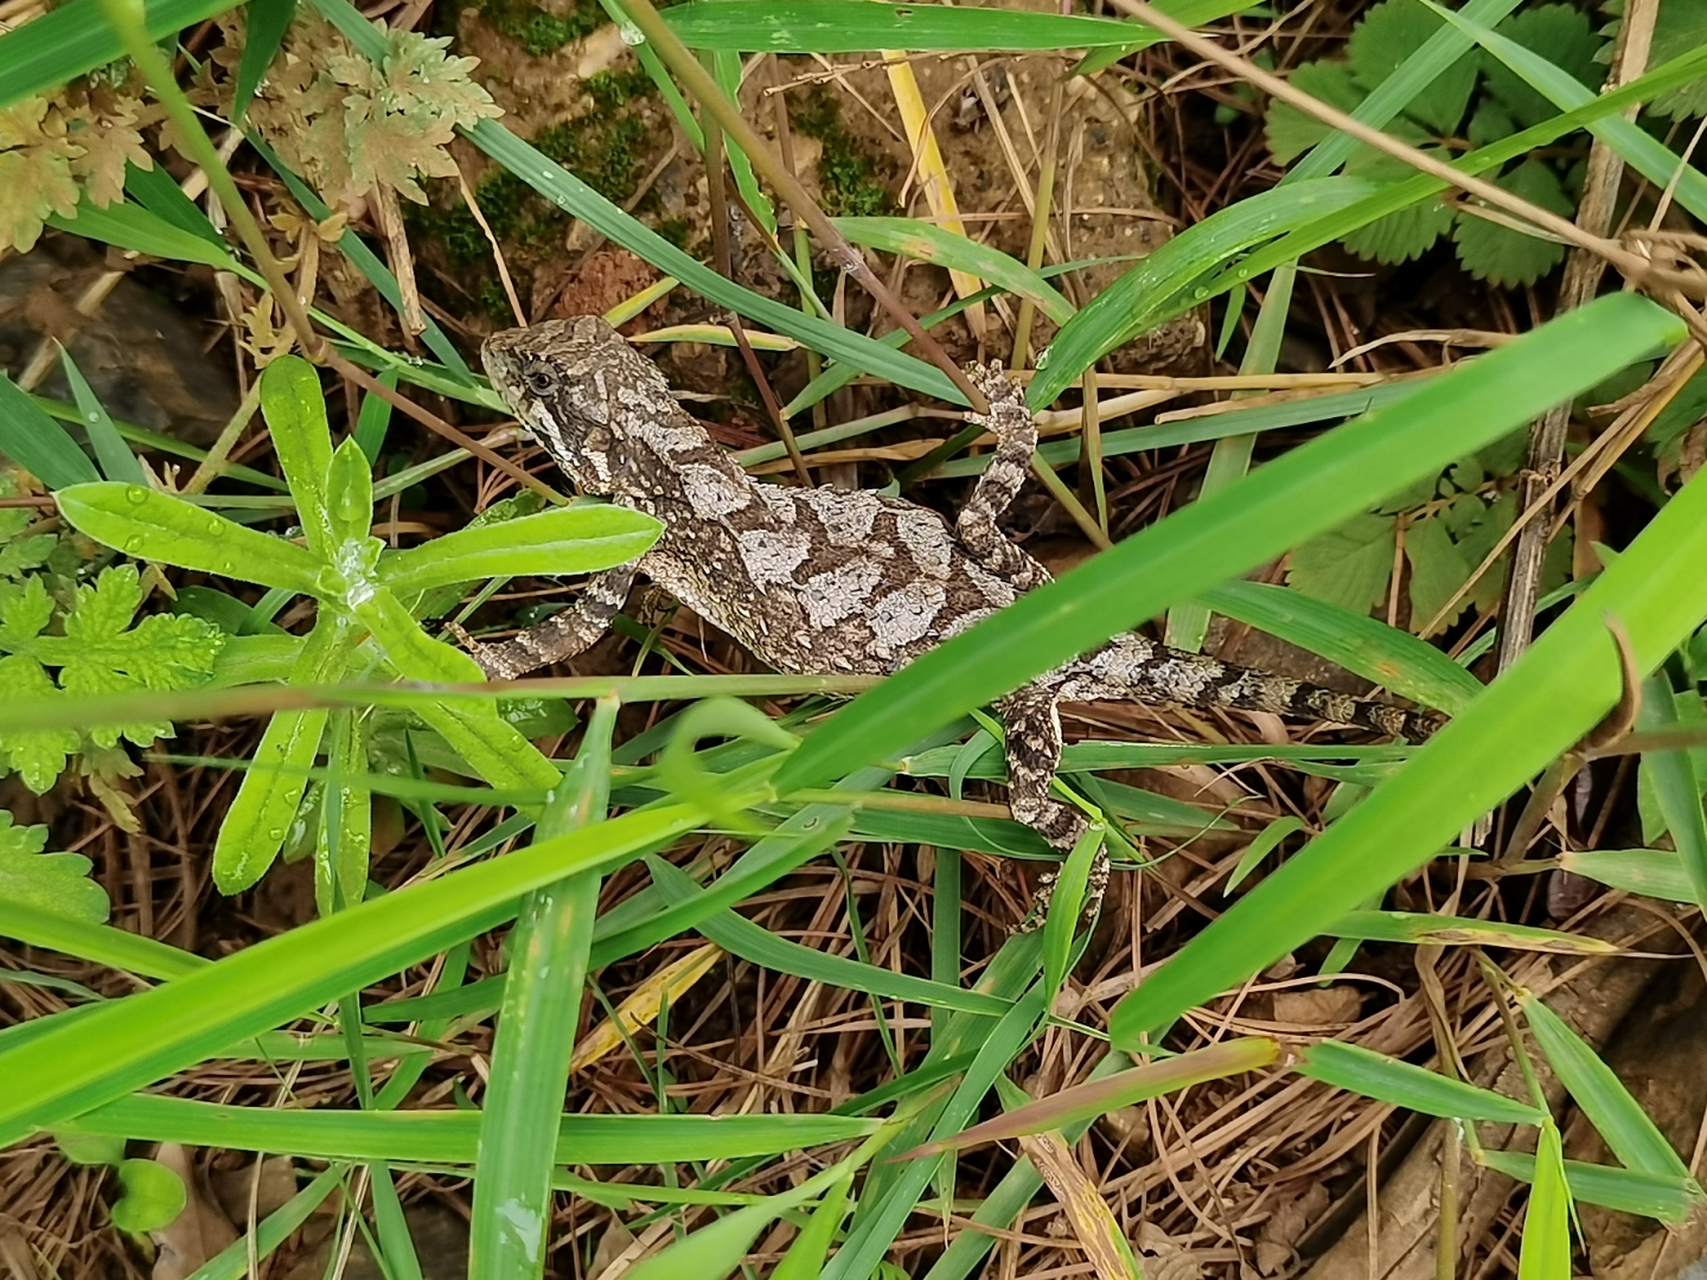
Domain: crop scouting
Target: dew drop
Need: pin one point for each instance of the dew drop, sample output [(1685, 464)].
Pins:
[(133, 544), (632, 36), (136, 495)]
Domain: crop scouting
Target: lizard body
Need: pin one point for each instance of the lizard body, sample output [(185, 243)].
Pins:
[(815, 581)]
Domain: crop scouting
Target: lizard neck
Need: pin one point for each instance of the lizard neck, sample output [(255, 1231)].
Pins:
[(666, 465)]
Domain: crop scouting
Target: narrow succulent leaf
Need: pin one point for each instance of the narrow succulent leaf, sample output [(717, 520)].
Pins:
[(580, 539), (264, 810), (157, 526), (295, 410)]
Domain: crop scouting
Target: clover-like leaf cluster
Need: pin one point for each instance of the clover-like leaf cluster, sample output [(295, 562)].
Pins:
[(1476, 100), (1450, 523)]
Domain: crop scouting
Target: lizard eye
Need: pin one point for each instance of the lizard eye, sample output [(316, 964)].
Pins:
[(541, 379)]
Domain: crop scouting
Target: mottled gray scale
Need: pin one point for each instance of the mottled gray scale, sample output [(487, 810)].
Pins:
[(815, 580)]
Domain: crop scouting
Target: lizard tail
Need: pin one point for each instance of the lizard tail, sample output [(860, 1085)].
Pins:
[(1131, 667)]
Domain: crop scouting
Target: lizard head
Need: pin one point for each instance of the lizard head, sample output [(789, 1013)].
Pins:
[(583, 392)]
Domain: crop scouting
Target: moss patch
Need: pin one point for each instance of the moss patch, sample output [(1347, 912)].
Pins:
[(539, 32), (847, 175)]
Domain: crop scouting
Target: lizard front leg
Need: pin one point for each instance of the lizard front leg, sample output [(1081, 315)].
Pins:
[(1032, 725), (1009, 420), (564, 634)]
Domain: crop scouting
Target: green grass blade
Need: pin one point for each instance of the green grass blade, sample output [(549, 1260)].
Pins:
[(1640, 150), (1386, 655), (1310, 489), (1657, 873), (75, 37), (1375, 1075), (114, 455), (37, 443), (1597, 1090), (232, 1262), (927, 242), (99, 943), (741, 937), (1558, 691), (1668, 1199), (830, 26), (1545, 1253), (548, 949), (452, 1136), (1413, 928), (130, 1043), (1131, 304), (1677, 787), (130, 226)]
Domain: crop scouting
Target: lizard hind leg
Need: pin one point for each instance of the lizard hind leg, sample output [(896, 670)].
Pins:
[(1033, 729)]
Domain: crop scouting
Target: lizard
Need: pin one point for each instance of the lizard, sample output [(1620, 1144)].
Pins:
[(815, 581)]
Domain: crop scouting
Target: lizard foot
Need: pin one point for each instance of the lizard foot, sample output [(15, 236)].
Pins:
[(490, 658), (1095, 886)]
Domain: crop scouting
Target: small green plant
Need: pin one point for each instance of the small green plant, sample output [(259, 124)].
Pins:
[(61, 637), (364, 627), (847, 174), (1449, 522), (1478, 100), (57, 883)]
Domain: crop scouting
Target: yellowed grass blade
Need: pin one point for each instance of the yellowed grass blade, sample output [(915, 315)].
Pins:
[(642, 1006)]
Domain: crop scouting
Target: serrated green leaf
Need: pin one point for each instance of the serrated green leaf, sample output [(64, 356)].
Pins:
[(1349, 566), (1561, 34), (101, 653), (1388, 35), (1495, 253), (1290, 132), (1438, 568), (37, 756), (1680, 27), (57, 883)]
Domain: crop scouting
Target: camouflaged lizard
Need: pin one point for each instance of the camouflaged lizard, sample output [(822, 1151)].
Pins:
[(820, 581)]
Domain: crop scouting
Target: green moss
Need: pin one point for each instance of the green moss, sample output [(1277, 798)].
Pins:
[(847, 175), (676, 231), (612, 90), (539, 32), (496, 303)]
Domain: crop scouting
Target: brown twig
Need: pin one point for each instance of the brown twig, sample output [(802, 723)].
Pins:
[(1582, 278)]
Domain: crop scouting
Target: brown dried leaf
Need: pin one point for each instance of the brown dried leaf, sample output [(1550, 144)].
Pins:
[(35, 170)]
